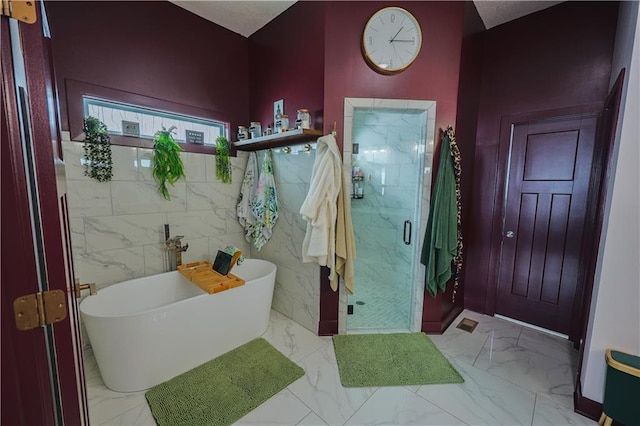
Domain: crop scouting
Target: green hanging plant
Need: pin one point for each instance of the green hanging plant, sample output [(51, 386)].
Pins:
[(223, 164), (167, 165), (97, 150)]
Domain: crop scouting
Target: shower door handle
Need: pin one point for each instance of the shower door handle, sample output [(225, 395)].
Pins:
[(405, 236)]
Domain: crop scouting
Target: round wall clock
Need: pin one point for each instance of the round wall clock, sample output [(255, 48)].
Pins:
[(391, 40)]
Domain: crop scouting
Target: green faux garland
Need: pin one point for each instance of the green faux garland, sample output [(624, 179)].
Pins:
[(167, 165), (223, 165), (97, 150)]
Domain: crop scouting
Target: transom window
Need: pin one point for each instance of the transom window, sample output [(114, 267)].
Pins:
[(128, 120)]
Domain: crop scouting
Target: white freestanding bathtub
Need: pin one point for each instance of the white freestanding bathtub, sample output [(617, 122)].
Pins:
[(148, 330)]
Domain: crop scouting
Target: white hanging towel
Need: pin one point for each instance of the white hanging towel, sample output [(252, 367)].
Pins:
[(247, 197), (265, 206), (319, 209)]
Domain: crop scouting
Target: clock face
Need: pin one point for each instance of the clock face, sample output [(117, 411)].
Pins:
[(391, 40)]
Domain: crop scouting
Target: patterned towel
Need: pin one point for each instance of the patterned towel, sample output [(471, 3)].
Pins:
[(247, 197), (265, 206)]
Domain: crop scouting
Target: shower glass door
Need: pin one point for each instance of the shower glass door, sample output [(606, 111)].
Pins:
[(387, 175)]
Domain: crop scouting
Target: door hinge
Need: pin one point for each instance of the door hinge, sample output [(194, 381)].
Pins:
[(39, 309), (24, 11)]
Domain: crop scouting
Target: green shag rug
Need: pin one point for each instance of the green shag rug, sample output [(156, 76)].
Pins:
[(223, 390), (397, 359)]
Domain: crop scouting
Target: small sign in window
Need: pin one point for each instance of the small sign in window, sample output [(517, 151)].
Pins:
[(130, 128), (191, 136)]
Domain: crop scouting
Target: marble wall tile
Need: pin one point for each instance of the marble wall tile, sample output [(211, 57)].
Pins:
[(291, 196), (198, 250), (155, 259), (232, 223), (305, 300), (113, 232), (125, 163), (209, 196), (145, 159), (143, 197), (76, 228), (195, 166), (110, 266), (89, 198), (289, 238), (294, 168), (201, 223), (233, 239), (270, 251), (73, 155), (282, 298)]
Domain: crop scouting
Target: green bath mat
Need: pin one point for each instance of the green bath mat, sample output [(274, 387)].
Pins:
[(391, 360), (223, 390)]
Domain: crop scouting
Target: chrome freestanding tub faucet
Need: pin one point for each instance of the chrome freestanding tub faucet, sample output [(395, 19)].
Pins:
[(174, 248)]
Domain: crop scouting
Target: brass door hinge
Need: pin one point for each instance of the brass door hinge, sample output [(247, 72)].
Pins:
[(39, 309), (24, 11)]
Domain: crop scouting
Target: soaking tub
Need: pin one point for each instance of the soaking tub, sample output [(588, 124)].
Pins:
[(148, 330)]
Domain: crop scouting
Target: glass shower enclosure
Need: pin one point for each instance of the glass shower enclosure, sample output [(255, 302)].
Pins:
[(390, 160)]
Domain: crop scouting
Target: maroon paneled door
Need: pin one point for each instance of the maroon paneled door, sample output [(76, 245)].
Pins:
[(548, 182), (42, 376)]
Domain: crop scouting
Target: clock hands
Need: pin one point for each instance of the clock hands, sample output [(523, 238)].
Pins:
[(394, 37), (401, 41)]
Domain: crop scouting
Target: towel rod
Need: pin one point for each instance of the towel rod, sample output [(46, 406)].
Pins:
[(307, 147)]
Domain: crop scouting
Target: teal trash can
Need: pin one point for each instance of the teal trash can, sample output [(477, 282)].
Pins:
[(622, 389)]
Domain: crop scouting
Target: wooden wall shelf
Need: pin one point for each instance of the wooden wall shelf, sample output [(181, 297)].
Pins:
[(291, 137)]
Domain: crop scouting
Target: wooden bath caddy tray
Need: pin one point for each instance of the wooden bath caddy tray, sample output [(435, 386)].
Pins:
[(202, 275)]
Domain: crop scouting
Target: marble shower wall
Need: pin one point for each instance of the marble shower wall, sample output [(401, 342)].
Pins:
[(117, 227), (351, 104), (390, 146), (297, 290)]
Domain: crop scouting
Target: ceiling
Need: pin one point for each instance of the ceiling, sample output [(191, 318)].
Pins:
[(247, 17)]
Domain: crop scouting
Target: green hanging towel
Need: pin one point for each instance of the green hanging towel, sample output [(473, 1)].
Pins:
[(441, 237)]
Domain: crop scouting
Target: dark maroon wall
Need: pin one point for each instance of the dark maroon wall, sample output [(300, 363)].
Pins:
[(433, 75), (467, 115), (556, 58), (151, 48), (286, 61)]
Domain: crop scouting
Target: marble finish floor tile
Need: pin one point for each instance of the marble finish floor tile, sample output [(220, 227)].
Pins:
[(466, 346), (530, 369), (139, 416), (512, 376), (547, 344), (400, 406), (312, 420), (321, 390), (291, 338), (105, 404), (482, 398), (548, 412), (281, 409)]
